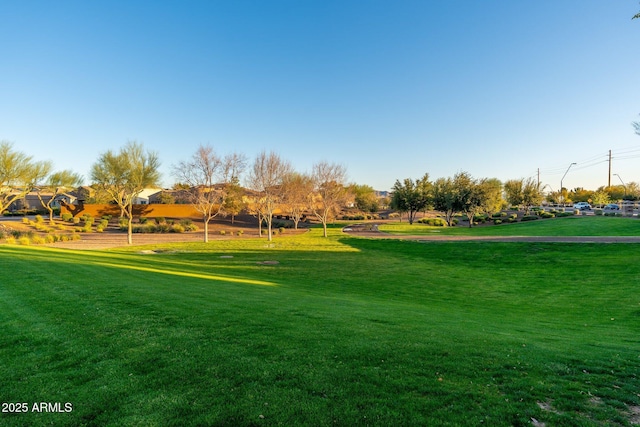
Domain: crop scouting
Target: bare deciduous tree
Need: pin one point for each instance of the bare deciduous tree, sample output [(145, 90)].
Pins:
[(297, 190), (330, 192), (266, 178), (208, 177), (124, 175)]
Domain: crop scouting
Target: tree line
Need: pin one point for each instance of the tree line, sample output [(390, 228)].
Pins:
[(210, 182)]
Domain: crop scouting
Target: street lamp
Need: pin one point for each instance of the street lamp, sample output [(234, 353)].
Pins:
[(565, 174), (623, 185)]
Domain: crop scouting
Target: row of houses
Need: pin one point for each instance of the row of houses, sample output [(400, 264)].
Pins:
[(80, 196)]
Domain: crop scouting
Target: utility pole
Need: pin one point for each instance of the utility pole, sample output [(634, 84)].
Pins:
[(609, 182)]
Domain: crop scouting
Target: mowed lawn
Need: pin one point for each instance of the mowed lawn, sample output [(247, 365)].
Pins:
[(342, 331), (566, 226)]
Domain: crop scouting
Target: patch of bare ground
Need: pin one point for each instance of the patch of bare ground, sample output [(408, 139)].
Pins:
[(634, 415)]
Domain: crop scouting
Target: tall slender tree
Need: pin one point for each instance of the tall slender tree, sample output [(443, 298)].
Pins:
[(123, 175), (265, 179), (297, 189), (330, 193)]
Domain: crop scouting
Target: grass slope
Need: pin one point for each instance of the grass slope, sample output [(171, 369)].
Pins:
[(567, 226), (343, 331)]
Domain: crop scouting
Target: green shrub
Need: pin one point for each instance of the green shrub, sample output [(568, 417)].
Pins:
[(38, 240), (24, 241), (25, 220), (177, 228), (529, 218), (562, 214), (66, 216), (513, 216), (598, 212), (75, 220), (576, 212), (433, 222), (240, 232), (160, 220), (191, 227), (99, 229), (185, 223), (143, 220), (39, 219), (497, 221), (163, 227), (50, 238), (75, 236), (546, 214), (222, 232), (281, 230), (11, 240)]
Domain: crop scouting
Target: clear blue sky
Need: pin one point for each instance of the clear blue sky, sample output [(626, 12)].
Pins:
[(391, 89)]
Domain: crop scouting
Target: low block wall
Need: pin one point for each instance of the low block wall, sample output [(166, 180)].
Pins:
[(153, 210)]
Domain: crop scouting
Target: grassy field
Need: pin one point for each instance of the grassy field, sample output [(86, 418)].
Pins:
[(567, 226), (342, 331)]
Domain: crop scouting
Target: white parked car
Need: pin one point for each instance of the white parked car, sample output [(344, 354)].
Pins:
[(583, 206)]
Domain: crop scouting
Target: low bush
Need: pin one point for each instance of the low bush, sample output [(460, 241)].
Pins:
[(240, 232), (75, 220), (177, 228), (546, 214), (222, 232), (66, 217), (38, 240), (497, 221), (160, 220), (598, 212), (11, 240), (281, 230), (25, 220), (24, 241), (39, 219), (513, 216), (433, 222), (563, 214), (529, 218)]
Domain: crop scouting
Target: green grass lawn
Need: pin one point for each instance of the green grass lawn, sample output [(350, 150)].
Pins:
[(343, 331), (567, 226)]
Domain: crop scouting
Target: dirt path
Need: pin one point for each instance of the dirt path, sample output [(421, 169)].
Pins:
[(371, 231)]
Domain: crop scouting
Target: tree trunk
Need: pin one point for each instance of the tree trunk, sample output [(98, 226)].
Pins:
[(130, 230), (324, 228), (269, 221), (206, 229)]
